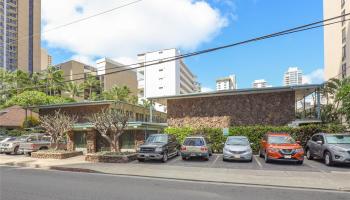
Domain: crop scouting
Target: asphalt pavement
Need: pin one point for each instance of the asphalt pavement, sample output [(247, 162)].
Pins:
[(257, 163), (24, 184)]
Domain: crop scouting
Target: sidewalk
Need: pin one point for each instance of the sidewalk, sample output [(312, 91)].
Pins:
[(297, 179)]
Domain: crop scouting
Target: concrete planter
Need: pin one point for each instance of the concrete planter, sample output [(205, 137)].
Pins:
[(55, 155), (111, 158)]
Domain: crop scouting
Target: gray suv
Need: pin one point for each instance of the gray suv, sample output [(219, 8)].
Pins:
[(333, 148)]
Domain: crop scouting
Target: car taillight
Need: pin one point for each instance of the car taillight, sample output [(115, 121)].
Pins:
[(183, 148), (33, 146), (204, 149)]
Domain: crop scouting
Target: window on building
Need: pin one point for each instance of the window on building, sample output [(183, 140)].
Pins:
[(160, 88), (343, 70), (160, 70), (160, 79), (343, 18), (344, 53), (344, 35)]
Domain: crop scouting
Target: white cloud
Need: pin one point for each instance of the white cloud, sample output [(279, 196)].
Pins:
[(123, 33), (206, 89), (314, 77), (83, 59)]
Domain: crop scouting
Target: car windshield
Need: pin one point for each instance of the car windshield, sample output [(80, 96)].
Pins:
[(281, 139), (22, 138), (237, 141), (338, 139), (194, 142), (157, 139), (8, 140)]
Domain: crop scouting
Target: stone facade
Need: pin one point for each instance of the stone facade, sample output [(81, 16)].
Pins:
[(91, 141), (277, 108)]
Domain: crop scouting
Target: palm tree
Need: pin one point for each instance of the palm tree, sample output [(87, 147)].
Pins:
[(74, 89), (54, 80), (91, 82), (117, 93)]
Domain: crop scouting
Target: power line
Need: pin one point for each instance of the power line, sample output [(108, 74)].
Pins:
[(227, 46), (76, 21), (281, 33)]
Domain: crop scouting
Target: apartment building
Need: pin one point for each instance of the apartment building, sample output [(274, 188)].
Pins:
[(226, 83), (108, 70), (260, 83), (46, 59), (336, 40), (164, 78), (293, 76), (20, 27)]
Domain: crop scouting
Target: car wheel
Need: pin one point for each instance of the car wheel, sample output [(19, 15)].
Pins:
[(260, 154), (328, 159), (184, 158), (15, 151), (266, 157), (308, 155), (206, 158), (165, 157)]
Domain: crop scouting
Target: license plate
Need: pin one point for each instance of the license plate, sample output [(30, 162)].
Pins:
[(192, 154), (288, 156), (236, 156)]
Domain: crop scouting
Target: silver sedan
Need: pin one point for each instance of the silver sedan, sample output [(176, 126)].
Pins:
[(237, 148)]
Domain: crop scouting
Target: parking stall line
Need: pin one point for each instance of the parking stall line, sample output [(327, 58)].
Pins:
[(257, 161), (216, 159), (314, 167)]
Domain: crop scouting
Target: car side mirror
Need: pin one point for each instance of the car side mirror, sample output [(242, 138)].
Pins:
[(319, 142)]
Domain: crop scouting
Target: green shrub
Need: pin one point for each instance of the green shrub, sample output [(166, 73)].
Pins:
[(253, 133), (17, 132), (30, 122)]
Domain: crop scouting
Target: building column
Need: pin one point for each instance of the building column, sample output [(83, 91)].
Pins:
[(318, 103), (91, 141), (70, 142), (151, 111)]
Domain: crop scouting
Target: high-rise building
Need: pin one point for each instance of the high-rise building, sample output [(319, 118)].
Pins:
[(261, 83), (226, 83), (164, 78), (110, 77), (20, 27), (293, 76), (46, 59), (336, 40)]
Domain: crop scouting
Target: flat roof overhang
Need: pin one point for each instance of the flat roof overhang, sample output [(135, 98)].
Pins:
[(135, 125), (301, 91)]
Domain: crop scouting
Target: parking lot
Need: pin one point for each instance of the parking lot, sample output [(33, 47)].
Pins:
[(258, 163)]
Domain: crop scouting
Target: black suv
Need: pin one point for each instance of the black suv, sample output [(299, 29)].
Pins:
[(158, 147)]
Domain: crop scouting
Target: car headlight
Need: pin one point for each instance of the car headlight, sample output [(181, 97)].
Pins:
[(338, 149), (159, 149), (273, 149)]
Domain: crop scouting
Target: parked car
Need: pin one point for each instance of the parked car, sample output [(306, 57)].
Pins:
[(12, 145), (35, 142), (5, 140), (333, 148), (237, 148), (158, 147), (281, 146), (196, 146)]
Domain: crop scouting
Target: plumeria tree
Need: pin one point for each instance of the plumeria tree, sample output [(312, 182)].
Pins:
[(57, 126), (110, 123)]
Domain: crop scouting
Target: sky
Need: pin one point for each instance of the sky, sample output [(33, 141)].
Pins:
[(191, 25)]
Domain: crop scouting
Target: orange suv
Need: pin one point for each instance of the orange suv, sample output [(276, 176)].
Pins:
[(281, 146)]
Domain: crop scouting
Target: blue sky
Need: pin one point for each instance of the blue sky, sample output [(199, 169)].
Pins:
[(245, 19)]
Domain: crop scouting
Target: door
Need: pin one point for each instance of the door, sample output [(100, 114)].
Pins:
[(172, 144), (128, 140), (80, 141), (318, 147)]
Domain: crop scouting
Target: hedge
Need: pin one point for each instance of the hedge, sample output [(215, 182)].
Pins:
[(254, 133)]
